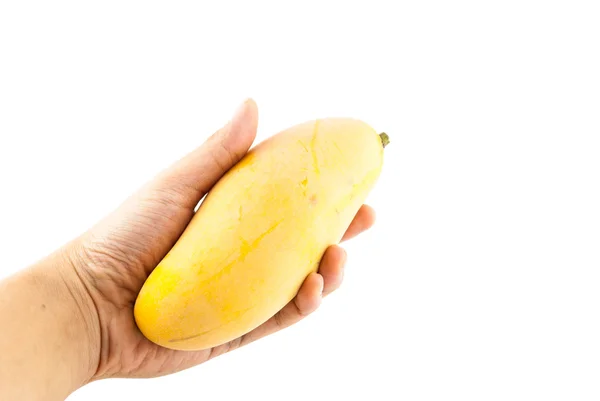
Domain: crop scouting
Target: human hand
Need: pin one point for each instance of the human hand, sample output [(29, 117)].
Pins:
[(114, 258)]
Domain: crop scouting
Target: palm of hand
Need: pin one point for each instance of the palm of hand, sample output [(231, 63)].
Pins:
[(115, 257)]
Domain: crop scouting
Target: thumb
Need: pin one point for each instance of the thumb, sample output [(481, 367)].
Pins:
[(190, 178), (146, 226)]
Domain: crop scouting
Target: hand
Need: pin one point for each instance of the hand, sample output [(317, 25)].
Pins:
[(114, 258)]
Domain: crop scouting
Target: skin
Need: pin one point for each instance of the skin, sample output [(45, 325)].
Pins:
[(68, 320)]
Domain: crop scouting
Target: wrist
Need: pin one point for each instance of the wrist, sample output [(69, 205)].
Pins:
[(49, 332), (84, 324), (82, 328)]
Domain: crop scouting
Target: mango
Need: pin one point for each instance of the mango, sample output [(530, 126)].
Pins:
[(259, 232)]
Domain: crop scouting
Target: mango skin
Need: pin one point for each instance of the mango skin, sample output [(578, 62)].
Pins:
[(258, 234)]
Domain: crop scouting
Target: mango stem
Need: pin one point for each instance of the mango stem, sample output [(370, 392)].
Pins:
[(385, 139)]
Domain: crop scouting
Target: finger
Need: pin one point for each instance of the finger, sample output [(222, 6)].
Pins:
[(190, 178), (306, 301), (364, 219), (332, 269)]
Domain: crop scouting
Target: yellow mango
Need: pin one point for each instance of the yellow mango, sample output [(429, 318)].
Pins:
[(259, 232)]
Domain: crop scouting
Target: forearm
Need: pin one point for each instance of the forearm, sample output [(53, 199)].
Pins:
[(46, 344)]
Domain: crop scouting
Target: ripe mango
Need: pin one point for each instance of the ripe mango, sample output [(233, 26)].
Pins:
[(259, 232)]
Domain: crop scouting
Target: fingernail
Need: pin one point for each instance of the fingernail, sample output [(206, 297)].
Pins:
[(240, 111)]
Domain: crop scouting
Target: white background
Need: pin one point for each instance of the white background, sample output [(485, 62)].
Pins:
[(480, 280)]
